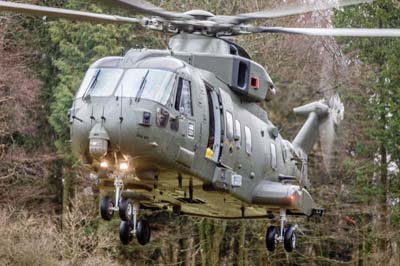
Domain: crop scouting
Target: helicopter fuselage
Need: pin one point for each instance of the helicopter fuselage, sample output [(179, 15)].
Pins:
[(188, 139)]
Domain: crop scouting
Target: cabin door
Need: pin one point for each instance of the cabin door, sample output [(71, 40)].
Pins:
[(184, 105), (214, 148), (228, 145)]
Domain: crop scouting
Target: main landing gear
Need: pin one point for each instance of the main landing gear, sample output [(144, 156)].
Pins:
[(285, 234), (128, 212)]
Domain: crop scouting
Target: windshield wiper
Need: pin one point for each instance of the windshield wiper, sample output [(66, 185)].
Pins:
[(92, 84), (142, 86)]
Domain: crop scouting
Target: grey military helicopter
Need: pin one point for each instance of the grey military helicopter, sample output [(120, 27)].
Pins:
[(180, 129)]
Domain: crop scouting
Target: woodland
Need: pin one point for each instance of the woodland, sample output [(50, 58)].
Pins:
[(49, 207)]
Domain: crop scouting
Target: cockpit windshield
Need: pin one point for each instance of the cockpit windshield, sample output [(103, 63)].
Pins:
[(99, 82), (151, 84), (138, 83)]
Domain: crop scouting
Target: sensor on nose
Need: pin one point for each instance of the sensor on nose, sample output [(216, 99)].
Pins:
[(98, 141)]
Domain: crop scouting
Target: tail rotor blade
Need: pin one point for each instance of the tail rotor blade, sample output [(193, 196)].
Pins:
[(327, 138), (327, 130)]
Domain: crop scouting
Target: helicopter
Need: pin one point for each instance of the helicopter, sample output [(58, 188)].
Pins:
[(180, 129)]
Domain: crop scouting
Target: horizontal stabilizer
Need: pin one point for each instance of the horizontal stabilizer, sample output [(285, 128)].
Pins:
[(319, 108), (309, 133)]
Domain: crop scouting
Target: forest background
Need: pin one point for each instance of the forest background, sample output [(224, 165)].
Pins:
[(49, 213)]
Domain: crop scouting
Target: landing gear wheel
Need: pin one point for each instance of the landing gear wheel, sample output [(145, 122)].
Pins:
[(125, 209), (106, 208), (143, 232), (289, 240), (270, 238), (125, 232)]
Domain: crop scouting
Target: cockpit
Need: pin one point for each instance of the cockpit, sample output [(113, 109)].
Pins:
[(137, 83)]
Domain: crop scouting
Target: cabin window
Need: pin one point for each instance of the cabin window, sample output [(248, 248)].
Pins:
[(237, 134), (242, 75), (229, 125), (284, 152), (273, 156), (150, 84), (247, 133), (99, 82), (183, 102)]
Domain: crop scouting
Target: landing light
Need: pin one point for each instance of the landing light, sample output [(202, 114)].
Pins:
[(103, 164), (123, 166), (291, 197)]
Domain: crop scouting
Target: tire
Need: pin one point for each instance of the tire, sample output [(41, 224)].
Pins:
[(125, 209), (125, 234), (106, 211), (143, 232), (289, 240), (270, 238)]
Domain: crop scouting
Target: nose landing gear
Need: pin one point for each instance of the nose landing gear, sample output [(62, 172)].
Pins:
[(286, 235), (128, 212), (107, 207), (142, 231)]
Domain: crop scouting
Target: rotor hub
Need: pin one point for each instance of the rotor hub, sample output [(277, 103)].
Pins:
[(199, 14)]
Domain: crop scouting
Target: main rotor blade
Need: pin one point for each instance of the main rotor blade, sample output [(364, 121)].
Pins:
[(361, 32), (294, 9), (65, 13), (144, 7)]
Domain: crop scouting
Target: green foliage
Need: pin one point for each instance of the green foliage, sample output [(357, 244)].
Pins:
[(382, 55), (68, 49), (377, 179)]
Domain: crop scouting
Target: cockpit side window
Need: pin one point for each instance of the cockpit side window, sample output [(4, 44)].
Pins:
[(86, 81), (183, 102)]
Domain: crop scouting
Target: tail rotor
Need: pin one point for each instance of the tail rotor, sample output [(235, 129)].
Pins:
[(328, 129)]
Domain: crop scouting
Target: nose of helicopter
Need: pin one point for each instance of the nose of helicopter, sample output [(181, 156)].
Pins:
[(103, 126)]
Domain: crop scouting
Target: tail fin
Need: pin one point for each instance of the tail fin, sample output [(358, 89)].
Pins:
[(323, 116)]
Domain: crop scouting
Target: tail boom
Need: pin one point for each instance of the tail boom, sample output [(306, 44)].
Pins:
[(309, 133)]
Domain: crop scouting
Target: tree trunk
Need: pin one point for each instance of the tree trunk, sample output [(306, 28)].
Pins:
[(68, 191), (384, 185)]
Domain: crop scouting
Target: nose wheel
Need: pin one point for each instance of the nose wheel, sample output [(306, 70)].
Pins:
[(128, 212), (125, 209), (289, 240), (127, 231), (271, 238), (123, 206), (106, 208), (143, 232), (286, 234)]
